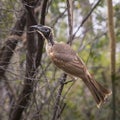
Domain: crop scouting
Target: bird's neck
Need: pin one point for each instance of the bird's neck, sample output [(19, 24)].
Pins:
[(50, 40), (49, 47)]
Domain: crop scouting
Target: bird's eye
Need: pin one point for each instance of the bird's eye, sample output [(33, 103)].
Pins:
[(46, 30)]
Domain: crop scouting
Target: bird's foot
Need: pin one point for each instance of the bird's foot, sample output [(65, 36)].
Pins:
[(68, 81)]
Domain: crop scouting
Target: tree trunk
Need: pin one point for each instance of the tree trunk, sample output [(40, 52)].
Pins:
[(11, 43), (113, 52)]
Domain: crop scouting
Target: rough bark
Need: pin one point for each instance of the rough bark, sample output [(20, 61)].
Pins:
[(25, 96), (33, 58), (7, 50), (40, 38)]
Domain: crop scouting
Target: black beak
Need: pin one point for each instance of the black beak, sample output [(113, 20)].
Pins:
[(37, 27)]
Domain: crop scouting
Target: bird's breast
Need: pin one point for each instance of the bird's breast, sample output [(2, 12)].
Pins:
[(49, 50)]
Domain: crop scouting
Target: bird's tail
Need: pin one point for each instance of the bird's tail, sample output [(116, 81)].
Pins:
[(98, 91)]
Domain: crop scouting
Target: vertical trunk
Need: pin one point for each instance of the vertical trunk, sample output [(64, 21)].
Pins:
[(33, 58), (25, 96), (11, 43), (113, 60), (40, 38), (70, 20)]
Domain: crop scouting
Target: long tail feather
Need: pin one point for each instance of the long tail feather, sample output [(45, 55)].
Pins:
[(98, 91)]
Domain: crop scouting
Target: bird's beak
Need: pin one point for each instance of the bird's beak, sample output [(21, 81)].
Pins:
[(38, 28)]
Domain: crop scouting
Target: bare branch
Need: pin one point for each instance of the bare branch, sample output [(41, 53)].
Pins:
[(70, 19), (85, 19), (40, 38), (56, 112)]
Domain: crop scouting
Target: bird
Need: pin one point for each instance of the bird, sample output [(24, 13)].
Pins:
[(66, 59)]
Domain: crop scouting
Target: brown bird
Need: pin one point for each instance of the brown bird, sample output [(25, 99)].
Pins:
[(65, 58)]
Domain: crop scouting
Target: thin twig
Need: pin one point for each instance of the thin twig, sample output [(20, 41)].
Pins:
[(58, 17), (61, 111), (85, 19), (55, 113)]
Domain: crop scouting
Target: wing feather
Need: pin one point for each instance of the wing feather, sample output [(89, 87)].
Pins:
[(71, 64)]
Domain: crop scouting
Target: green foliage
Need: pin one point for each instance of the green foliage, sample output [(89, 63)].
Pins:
[(117, 21), (7, 10)]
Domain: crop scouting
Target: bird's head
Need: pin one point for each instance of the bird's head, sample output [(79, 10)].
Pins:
[(45, 31)]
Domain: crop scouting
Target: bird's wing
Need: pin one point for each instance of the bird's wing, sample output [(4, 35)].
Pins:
[(71, 64)]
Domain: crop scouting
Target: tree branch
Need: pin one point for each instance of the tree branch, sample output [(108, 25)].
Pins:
[(113, 52), (57, 102), (40, 38), (85, 19)]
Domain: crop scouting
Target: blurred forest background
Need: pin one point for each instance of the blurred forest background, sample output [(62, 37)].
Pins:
[(31, 87)]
